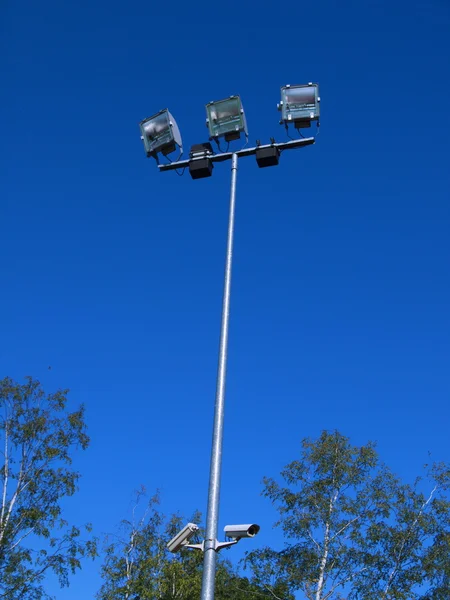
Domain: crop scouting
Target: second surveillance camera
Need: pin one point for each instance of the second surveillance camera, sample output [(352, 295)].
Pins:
[(241, 531), (182, 537)]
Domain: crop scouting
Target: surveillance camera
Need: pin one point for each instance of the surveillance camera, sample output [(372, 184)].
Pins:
[(240, 531), (182, 538)]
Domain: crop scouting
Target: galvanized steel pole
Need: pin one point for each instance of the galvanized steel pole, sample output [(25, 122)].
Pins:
[(212, 517), (210, 545)]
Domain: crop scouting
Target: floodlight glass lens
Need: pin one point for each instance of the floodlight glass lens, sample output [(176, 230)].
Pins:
[(300, 97), (227, 109), (156, 126), (226, 117)]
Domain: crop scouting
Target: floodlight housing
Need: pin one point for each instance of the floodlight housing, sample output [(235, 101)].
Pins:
[(226, 118), (300, 104), (160, 133)]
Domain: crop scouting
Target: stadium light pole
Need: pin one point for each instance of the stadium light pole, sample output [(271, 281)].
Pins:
[(212, 515), (200, 165)]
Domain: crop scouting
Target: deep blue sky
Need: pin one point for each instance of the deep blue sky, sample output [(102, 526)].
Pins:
[(112, 273)]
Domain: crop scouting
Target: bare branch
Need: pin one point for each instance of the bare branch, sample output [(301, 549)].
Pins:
[(342, 583), (312, 538), (271, 592), (395, 569), (342, 529), (25, 535)]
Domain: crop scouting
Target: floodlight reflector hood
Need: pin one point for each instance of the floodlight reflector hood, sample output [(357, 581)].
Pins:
[(300, 104), (226, 118), (160, 133)]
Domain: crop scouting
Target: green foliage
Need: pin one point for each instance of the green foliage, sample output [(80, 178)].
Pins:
[(354, 530), (138, 565), (37, 439)]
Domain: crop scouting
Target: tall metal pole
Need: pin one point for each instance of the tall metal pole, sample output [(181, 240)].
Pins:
[(210, 545), (212, 517)]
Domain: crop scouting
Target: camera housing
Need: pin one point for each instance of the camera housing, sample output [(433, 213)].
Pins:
[(241, 531), (182, 537)]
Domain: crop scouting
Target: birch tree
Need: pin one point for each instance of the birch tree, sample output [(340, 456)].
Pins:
[(137, 564), (37, 438), (353, 530)]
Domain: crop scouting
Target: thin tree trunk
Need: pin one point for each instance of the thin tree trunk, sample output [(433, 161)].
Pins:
[(326, 543), (5, 485), (323, 562)]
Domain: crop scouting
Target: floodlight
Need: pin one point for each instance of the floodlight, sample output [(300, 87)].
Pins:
[(160, 133), (300, 104), (226, 118), (200, 163)]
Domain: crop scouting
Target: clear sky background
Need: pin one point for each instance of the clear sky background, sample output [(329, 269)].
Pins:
[(112, 273)]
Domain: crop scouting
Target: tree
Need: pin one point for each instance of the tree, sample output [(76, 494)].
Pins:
[(138, 565), (354, 530), (136, 561), (37, 439)]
